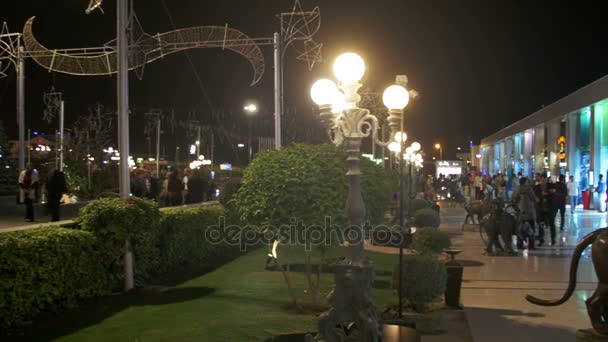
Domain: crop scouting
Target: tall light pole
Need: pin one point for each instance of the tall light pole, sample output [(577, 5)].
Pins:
[(347, 124), (250, 110), (440, 148), (122, 86)]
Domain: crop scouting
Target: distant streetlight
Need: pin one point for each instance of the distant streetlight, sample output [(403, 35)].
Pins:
[(458, 148), (250, 109), (241, 145), (440, 148)]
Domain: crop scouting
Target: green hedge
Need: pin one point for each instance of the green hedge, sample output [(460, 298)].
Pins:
[(182, 239), (47, 269), (112, 220), (51, 268), (430, 241)]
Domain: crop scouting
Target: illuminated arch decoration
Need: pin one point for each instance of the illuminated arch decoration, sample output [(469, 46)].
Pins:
[(144, 49)]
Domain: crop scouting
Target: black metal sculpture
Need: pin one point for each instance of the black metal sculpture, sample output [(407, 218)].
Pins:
[(597, 304), (498, 224)]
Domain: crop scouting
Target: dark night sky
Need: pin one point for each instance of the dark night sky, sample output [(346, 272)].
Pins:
[(478, 65)]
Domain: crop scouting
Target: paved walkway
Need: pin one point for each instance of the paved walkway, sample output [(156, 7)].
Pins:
[(494, 288)]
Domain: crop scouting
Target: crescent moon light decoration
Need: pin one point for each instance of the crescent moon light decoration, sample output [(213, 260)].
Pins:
[(145, 49)]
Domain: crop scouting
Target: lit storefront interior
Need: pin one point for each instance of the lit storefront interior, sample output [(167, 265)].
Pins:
[(568, 137)]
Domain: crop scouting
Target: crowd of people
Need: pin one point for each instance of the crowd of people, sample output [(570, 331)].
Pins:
[(171, 189), (540, 200)]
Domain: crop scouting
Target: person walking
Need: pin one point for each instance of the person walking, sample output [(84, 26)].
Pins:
[(174, 187), (601, 192), (478, 183), (526, 201), (542, 207), (572, 194), (185, 181), (56, 187), (28, 181), (561, 193), (551, 203)]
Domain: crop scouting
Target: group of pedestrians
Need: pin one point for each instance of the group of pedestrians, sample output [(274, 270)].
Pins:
[(56, 187), (541, 200)]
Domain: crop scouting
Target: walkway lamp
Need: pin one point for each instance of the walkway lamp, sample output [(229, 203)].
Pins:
[(347, 125)]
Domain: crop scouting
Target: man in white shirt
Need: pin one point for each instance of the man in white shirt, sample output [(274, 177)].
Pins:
[(28, 181), (185, 181), (572, 193)]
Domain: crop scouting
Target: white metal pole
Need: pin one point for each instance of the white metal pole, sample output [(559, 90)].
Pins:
[(158, 148), (122, 80), (277, 91), (21, 107), (61, 126), (198, 142), (212, 142), (29, 145)]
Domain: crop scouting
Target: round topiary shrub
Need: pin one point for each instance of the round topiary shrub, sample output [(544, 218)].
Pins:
[(228, 189), (307, 183), (198, 185), (423, 279), (112, 221), (430, 241), (419, 203), (426, 217)]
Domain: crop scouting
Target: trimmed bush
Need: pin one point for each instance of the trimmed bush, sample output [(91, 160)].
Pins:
[(47, 269), (419, 203), (228, 190), (183, 242), (430, 241), (198, 185), (112, 220), (309, 183), (426, 217), (423, 280)]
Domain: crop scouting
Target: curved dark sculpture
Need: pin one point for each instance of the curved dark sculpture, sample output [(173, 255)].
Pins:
[(102, 60), (498, 224), (477, 208), (597, 304)]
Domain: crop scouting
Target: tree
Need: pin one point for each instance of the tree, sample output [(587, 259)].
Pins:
[(306, 185), (92, 134), (8, 170)]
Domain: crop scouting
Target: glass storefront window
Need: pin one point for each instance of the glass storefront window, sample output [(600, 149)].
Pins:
[(585, 118)]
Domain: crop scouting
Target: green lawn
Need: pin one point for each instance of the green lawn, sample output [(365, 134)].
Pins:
[(237, 302)]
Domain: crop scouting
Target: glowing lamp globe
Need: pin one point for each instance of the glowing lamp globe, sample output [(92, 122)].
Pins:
[(400, 137), (349, 67), (394, 146), (395, 97), (339, 104), (416, 146), (408, 150), (324, 92)]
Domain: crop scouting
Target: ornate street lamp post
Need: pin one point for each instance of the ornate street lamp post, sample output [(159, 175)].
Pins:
[(353, 314), (411, 156)]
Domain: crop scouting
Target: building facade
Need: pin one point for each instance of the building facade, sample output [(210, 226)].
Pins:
[(568, 137)]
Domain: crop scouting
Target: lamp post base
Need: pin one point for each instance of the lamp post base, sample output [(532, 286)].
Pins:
[(352, 316)]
